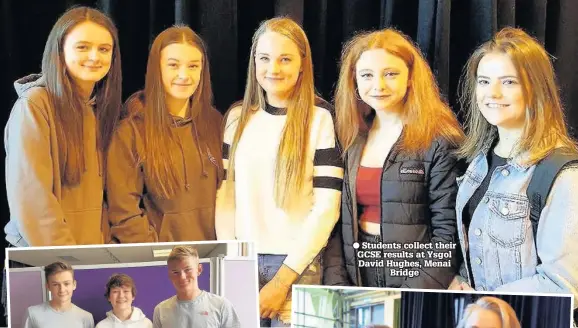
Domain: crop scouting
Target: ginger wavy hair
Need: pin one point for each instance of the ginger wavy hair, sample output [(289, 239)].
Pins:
[(425, 115), (291, 159), (545, 129)]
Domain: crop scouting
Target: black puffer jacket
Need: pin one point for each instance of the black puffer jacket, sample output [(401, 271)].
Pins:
[(418, 194)]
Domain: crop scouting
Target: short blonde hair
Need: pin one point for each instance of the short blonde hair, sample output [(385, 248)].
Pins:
[(180, 252), (498, 306)]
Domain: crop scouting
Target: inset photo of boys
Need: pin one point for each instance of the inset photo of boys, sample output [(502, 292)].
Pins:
[(202, 284)]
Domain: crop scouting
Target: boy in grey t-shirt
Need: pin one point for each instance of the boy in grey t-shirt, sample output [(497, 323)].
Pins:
[(192, 307), (58, 312)]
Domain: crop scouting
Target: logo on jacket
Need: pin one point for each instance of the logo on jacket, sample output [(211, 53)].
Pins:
[(204, 313), (412, 170)]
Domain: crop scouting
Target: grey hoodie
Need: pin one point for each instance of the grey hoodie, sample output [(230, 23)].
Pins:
[(43, 211), (137, 320)]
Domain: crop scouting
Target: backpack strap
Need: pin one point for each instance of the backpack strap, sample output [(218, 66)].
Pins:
[(541, 183)]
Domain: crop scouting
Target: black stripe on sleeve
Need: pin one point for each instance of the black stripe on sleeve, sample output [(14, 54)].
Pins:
[(328, 157), (226, 150), (328, 183)]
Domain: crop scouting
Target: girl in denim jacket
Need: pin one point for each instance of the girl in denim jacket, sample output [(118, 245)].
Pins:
[(514, 120)]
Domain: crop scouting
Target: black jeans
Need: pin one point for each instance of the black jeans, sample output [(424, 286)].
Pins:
[(371, 276)]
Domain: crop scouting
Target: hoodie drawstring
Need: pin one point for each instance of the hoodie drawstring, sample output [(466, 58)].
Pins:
[(199, 151), (197, 142), (91, 106), (187, 186)]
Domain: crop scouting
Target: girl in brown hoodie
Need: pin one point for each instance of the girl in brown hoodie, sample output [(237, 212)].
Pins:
[(164, 163), (58, 131)]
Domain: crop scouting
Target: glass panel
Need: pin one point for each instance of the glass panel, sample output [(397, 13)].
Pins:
[(314, 310), (364, 316), (352, 318), (359, 317), (378, 316)]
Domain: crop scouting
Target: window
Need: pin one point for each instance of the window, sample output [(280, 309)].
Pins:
[(362, 316), (459, 307), (315, 308)]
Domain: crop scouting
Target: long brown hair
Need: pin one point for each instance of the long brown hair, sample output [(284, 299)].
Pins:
[(292, 155), (544, 128), (425, 115), (65, 98), (160, 143)]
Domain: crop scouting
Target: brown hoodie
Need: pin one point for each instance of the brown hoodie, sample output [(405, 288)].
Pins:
[(43, 211), (187, 216)]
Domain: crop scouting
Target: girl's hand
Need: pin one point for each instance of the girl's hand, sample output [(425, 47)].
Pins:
[(271, 298), (273, 295)]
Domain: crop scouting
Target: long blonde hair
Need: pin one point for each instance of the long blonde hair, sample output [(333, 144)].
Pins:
[(500, 307), (292, 156), (544, 129), (426, 116)]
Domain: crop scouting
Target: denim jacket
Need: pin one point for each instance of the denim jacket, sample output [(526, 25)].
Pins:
[(500, 238)]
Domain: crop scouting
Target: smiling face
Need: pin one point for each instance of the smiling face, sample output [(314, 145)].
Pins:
[(499, 93), (88, 53), (181, 66), (184, 273), (61, 286), (277, 64), (482, 318), (121, 298), (382, 79)]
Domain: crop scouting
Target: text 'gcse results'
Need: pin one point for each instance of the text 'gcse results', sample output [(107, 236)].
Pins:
[(404, 259)]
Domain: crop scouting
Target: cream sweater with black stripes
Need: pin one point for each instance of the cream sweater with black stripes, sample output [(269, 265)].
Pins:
[(250, 213)]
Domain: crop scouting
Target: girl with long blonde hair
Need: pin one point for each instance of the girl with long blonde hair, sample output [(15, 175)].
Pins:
[(284, 172)]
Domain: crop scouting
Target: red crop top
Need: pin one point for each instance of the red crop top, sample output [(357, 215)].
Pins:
[(368, 193)]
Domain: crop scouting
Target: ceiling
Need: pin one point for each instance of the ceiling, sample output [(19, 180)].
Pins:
[(106, 254)]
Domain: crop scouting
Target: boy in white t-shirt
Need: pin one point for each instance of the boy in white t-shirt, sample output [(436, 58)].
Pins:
[(192, 307), (58, 312)]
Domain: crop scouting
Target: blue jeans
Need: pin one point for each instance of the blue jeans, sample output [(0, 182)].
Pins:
[(268, 266)]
